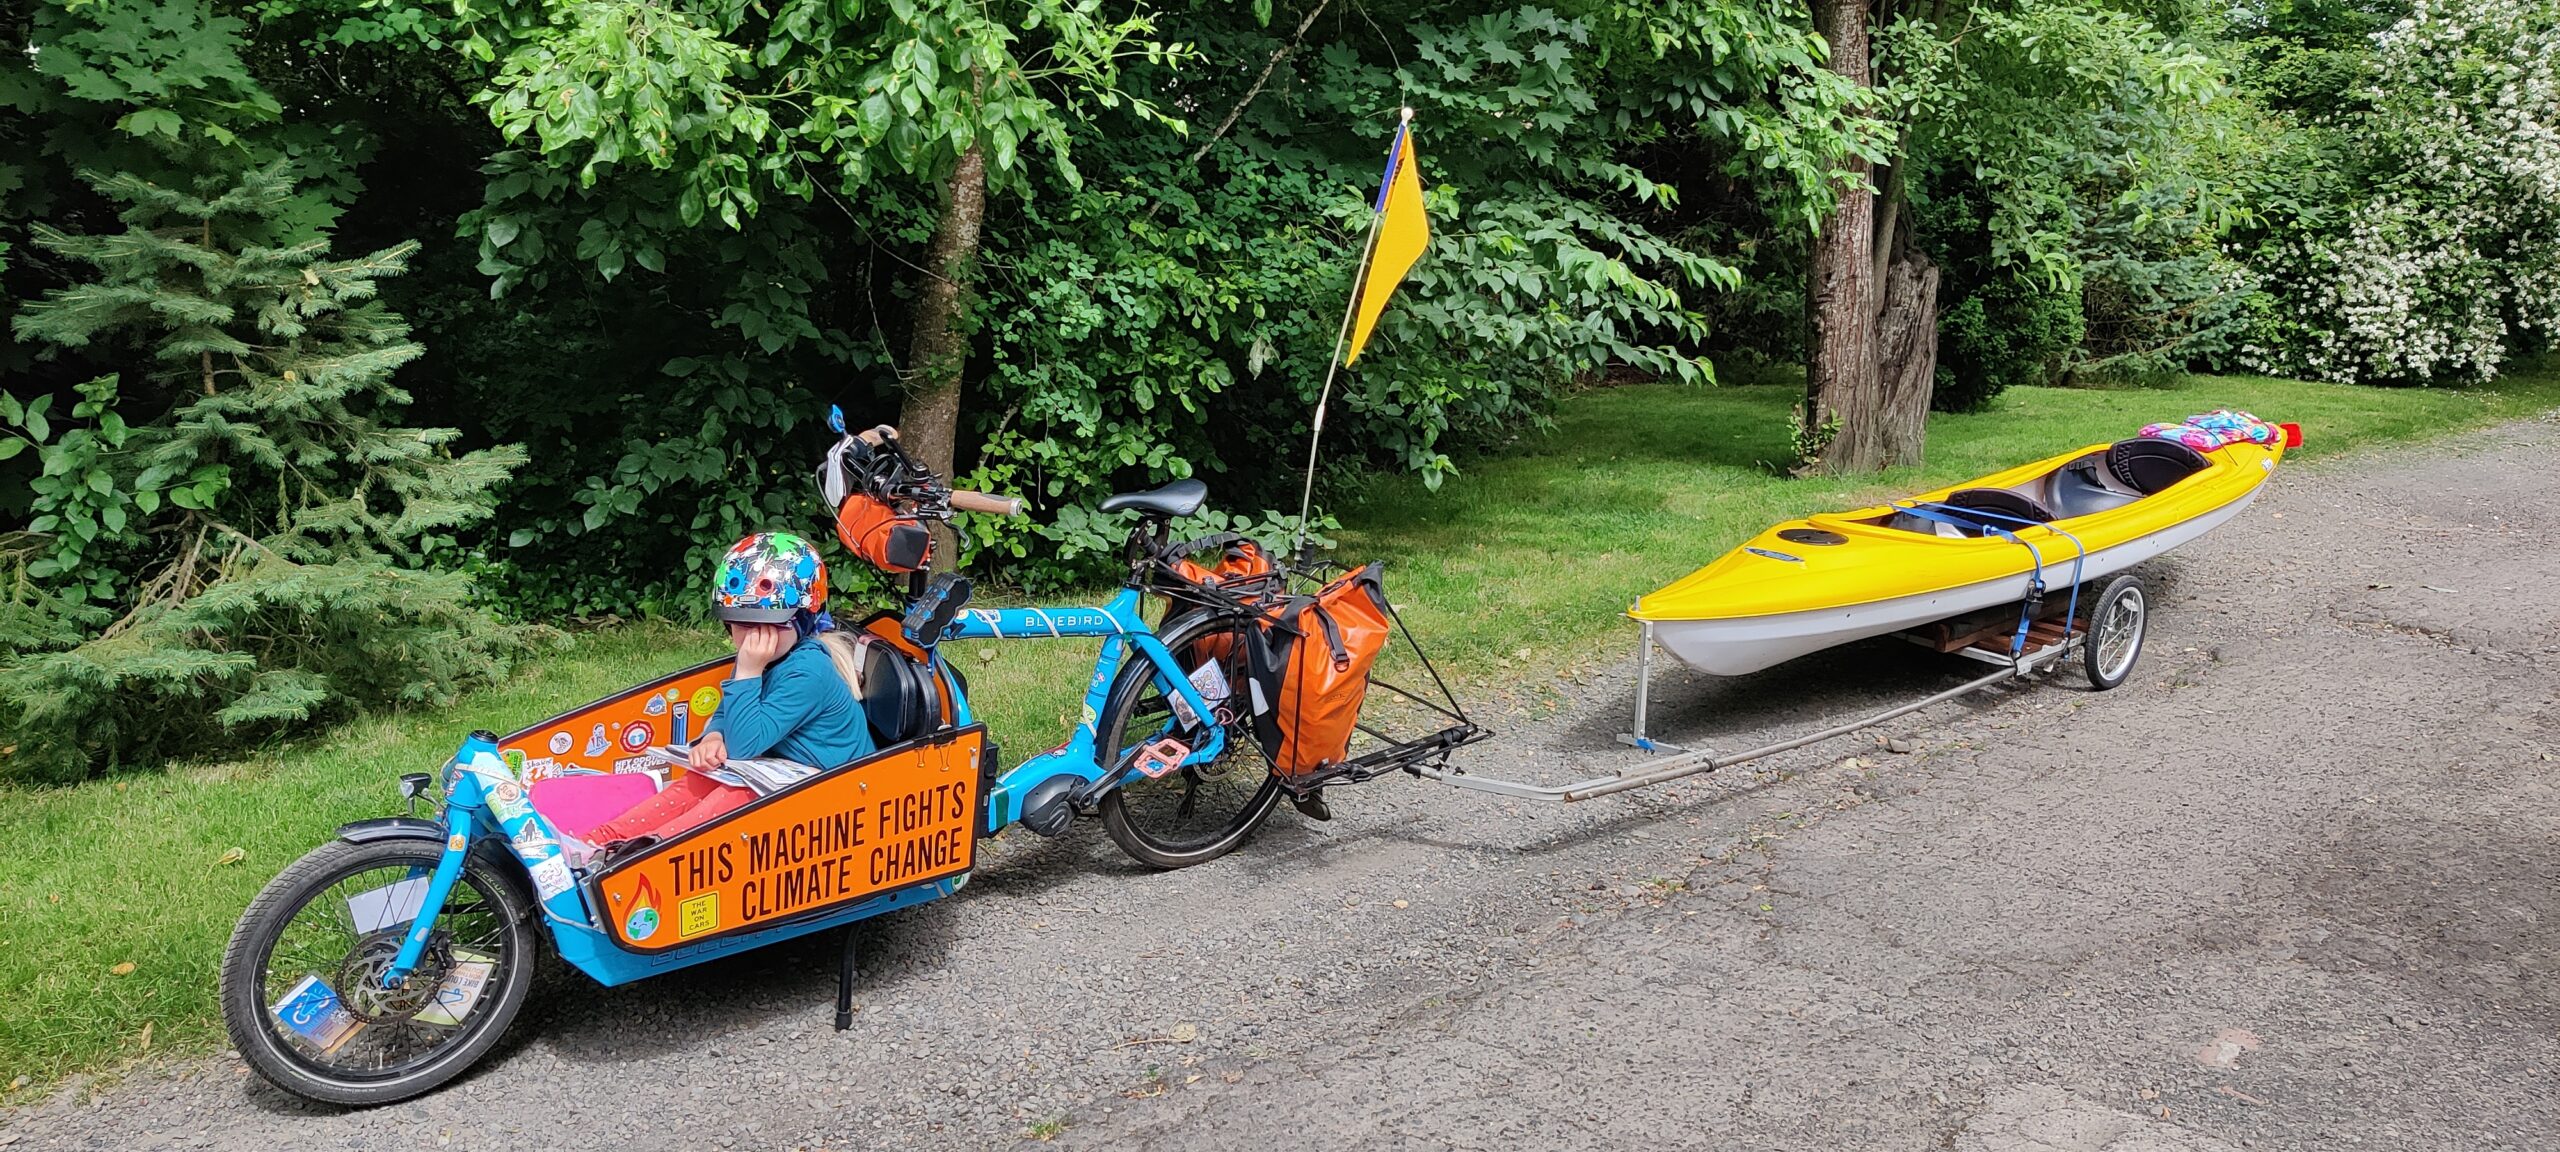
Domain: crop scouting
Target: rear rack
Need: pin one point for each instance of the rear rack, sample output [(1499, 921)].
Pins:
[(1419, 756), (1422, 756)]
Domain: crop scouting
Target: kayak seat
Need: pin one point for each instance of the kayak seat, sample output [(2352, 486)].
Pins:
[(1969, 512), (2147, 465), (2001, 507), (2083, 487), (1180, 498)]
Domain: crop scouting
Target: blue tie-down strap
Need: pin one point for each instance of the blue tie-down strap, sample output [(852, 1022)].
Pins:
[(1975, 518)]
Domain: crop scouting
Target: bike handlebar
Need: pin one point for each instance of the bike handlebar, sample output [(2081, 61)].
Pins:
[(968, 501)]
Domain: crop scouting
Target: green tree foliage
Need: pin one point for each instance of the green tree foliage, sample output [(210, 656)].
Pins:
[(2421, 244), (660, 236), (2070, 169), (260, 552), (1172, 318)]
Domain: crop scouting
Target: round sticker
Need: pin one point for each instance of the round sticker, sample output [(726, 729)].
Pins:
[(641, 924), (560, 742), (704, 700), (637, 735)]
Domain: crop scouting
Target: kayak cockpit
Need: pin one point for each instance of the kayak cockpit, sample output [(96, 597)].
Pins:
[(2100, 480)]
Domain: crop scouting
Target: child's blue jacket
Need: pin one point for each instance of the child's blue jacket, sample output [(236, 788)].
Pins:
[(800, 709)]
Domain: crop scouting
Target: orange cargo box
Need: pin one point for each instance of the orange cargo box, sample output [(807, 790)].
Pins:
[(906, 815)]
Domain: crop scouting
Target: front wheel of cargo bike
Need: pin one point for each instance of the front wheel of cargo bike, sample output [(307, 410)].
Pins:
[(1201, 812), (2116, 626), (336, 917)]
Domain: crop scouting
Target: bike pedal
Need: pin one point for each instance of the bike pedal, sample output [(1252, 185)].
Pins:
[(935, 608)]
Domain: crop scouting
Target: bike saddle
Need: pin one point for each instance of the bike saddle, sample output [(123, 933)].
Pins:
[(1180, 498)]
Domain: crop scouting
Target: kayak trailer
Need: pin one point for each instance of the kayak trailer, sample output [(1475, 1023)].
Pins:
[(2103, 625)]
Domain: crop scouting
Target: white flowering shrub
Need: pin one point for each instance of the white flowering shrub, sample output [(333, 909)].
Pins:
[(2443, 256)]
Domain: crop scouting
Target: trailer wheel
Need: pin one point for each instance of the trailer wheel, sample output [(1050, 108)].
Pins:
[(2117, 619)]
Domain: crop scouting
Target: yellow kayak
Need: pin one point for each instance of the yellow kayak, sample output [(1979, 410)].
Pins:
[(1825, 580)]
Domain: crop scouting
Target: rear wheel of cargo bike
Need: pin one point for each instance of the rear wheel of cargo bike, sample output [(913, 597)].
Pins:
[(302, 993), (2116, 626), (1199, 812)]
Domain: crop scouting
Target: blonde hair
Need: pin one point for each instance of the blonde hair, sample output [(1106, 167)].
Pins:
[(846, 652)]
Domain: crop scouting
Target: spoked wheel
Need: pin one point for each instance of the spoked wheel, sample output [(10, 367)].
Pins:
[(302, 988), (2116, 624), (1200, 812)]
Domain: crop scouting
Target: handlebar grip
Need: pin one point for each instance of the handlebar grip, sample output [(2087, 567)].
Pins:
[(968, 501)]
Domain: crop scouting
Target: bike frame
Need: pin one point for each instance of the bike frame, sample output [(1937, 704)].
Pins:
[(1122, 630)]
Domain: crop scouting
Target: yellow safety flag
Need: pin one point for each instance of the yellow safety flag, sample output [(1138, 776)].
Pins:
[(1402, 231)]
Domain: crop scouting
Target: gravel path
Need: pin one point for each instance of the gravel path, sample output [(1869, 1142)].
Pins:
[(2296, 885)]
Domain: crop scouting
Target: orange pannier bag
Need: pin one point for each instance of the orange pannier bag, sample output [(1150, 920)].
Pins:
[(1240, 561), (1321, 649), (871, 530)]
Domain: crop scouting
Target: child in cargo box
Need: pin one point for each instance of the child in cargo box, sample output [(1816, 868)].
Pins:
[(791, 696)]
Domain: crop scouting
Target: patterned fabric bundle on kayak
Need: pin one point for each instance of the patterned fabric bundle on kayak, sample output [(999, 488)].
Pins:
[(2207, 431)]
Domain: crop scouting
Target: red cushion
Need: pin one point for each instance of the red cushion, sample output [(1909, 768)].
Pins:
[(576, 804)]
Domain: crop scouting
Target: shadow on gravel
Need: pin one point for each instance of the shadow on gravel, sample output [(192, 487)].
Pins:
[(2463, 903), (754, 993)]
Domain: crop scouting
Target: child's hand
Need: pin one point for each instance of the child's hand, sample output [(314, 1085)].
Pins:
[(759, 645), (709, 752)]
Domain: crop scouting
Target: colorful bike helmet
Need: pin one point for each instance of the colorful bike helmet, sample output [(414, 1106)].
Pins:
[(768, 578)]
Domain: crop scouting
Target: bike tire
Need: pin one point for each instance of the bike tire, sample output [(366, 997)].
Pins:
[(2119, 620), (245, 988), (1132, 813)]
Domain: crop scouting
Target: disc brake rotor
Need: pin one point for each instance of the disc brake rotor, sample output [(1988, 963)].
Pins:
[(360, 987)]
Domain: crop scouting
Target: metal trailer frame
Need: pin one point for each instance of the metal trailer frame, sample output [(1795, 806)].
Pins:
[(2016, 664)]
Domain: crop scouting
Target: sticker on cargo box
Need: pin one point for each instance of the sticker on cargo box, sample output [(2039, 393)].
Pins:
[(698, 915), (551, 877)]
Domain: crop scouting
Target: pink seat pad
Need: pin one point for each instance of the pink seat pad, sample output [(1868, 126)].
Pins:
[(575, 804)]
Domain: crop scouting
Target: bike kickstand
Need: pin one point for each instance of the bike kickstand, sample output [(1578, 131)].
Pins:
[(844, 982)]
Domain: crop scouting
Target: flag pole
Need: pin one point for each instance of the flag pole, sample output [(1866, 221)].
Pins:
[(1315, 436), (1306, 497)]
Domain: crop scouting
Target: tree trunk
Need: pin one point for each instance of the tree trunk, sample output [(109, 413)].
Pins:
[(1906, 354), (929, 424), (1840, 372)]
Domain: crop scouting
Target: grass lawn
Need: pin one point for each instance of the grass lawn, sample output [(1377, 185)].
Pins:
[(115, 897)]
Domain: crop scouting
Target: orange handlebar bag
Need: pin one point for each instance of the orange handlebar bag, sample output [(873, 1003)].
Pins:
[(875, 532)]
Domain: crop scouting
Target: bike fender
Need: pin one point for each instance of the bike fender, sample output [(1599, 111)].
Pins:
[(391, 828)]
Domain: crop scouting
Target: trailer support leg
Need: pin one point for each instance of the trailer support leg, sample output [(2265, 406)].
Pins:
[(844, 982), (1644, 695)]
